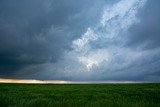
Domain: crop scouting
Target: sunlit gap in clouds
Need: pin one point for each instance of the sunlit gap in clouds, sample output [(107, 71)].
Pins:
[(32, 81)]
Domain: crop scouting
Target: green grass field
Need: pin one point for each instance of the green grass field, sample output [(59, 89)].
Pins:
[(80, 95)]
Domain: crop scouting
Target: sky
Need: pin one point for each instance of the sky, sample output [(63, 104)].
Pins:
[(80, 40)]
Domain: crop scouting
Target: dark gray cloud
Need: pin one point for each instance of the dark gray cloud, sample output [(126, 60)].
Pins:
[(80, 40), (37, 32)]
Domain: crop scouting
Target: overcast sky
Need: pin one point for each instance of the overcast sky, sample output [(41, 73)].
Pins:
[(80, 40)]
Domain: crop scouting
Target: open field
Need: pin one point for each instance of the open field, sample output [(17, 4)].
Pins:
[(80, 95)]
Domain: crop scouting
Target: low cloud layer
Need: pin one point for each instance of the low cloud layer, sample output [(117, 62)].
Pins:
[(80, 40)]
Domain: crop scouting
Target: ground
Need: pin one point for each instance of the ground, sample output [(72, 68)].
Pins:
[(80, 95)]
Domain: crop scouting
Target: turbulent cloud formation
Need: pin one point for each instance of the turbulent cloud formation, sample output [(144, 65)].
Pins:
[(80, 40), (115, 19)]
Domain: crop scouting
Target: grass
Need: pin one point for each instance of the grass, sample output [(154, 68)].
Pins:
[(80, 95)]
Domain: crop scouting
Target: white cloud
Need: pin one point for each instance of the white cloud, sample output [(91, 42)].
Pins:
[(94, 58), (80, 43), (115, 20)]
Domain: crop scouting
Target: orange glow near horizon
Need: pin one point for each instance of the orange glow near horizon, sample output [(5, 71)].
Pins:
[(33, 81), (2, 80)]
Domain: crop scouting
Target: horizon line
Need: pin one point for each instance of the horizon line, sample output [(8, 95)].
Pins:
[(35, 81)]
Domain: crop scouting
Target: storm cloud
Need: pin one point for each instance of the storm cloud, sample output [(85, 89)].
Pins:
[(80, 40)]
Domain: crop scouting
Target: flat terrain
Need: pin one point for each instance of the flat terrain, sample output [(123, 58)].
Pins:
[(80, 95)]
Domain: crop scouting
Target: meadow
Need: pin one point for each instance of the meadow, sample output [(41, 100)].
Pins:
[(80, 95)]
